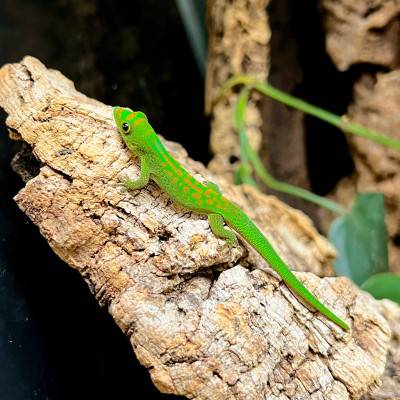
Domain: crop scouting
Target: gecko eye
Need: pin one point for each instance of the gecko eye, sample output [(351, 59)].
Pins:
[(125, 127)]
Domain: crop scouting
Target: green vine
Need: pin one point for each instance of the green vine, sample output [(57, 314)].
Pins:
[(250, 161), (291, 101)]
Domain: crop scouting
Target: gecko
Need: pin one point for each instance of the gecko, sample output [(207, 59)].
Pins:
[(158, 164)]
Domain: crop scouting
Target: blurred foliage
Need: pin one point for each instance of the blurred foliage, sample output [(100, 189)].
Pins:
[(361, 239), (193, 17), (383, 286)]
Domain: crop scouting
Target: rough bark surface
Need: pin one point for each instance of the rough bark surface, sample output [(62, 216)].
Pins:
[(359, 31), (205, 320), (390, 388), (240, 34), (238, 44)]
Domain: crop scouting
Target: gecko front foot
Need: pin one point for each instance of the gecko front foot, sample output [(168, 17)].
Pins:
[(231, 241), (128, 183)]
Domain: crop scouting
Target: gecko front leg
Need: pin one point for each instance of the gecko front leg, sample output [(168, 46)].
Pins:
[(143, 179)]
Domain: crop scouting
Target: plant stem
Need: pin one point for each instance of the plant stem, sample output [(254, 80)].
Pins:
[(333, 119), (296, 191), (252, 157)]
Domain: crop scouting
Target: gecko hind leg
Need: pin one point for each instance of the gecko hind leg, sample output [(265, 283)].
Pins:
[(216, 222)]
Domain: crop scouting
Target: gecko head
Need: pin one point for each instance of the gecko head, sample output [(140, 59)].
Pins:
[(133, 127)]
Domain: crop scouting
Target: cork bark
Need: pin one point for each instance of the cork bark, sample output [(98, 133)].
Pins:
[(253, 37), (390, 387), (368, 32), (208, 321), (359, 31), (238, 44)]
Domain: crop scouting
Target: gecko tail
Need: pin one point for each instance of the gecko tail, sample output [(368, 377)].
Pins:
[(243, 225)]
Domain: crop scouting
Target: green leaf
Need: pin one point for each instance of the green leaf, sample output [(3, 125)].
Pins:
[(383, 286), (361, 239)]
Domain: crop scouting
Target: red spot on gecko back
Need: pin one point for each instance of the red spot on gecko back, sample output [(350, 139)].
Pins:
[(192, 185), (208, 192), (130, 116)]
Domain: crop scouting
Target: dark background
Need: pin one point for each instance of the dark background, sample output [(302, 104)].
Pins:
[(55, 341)]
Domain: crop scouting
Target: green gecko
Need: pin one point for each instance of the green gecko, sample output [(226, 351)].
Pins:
[(204, 198)]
